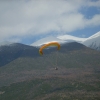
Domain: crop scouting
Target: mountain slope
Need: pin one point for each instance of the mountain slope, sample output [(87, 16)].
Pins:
[(93, 41), (11, 52)]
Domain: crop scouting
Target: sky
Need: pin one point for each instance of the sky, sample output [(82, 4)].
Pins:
[(26, 21)]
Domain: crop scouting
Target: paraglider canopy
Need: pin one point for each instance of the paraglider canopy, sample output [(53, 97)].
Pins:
[(49, 44)]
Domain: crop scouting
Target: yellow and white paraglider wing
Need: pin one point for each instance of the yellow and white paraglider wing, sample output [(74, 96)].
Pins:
[(47, 45)]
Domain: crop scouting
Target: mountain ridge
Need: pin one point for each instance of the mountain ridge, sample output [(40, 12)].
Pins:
[(91, 42)]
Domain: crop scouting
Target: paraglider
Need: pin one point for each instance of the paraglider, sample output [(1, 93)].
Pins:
[(49, 44)]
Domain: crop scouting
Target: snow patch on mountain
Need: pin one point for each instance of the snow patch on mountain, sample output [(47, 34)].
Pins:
[(47, 40), (72, 38), (60, 39), (95, 35), (93, 41)]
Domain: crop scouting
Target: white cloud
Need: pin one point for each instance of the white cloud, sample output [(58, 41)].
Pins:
[(95, 4), (20, 18), (94, 21)]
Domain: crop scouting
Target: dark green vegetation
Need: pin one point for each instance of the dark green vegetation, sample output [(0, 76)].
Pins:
[(51, 89), (29, 77)]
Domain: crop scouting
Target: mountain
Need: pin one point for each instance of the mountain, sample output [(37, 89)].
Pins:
[(26, 75), (30, 76)]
